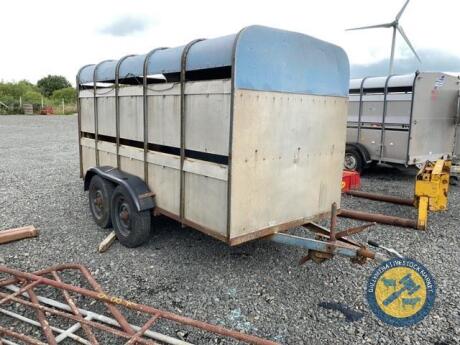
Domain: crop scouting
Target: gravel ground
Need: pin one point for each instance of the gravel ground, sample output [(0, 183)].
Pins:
[(257, 287)]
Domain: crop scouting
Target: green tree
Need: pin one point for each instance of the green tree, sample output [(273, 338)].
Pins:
[(11, 92), (68, 94), (32, 96), (51, 83)]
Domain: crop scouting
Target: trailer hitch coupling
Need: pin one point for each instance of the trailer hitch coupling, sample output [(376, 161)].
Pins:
[(329, 242)]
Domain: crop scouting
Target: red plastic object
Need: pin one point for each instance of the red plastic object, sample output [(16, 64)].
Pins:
[(47, 110), (350, 180)]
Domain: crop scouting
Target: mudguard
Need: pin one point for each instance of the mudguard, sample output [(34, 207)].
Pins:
[(136, 187), (362, 150)]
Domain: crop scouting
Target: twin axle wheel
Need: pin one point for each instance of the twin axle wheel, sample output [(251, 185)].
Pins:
[(112, 205)]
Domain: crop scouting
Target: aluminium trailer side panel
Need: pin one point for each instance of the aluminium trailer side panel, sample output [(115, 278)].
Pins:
[(434, 117), (303, 155), (457, 144), (397, 121), (208, 118), (427, 120), (289, 110)]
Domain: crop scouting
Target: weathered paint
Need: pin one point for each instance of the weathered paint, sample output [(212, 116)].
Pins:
[(289, 165), (298, 63)]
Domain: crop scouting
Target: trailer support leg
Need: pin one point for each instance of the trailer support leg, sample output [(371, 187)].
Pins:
[(431, 191), (422, 213)]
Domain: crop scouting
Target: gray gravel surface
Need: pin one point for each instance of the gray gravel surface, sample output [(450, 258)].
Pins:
[(257, 287)]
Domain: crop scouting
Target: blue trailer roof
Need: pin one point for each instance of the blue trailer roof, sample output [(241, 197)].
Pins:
[(266, 59)]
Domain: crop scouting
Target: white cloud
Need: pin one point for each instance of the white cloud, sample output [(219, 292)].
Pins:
[(125, 26), (57, 37)]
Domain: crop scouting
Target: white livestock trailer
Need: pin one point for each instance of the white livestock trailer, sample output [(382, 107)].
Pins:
[(240, 137), (401, 119)]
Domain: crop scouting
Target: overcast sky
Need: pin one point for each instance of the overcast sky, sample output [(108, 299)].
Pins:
[(57, 37)]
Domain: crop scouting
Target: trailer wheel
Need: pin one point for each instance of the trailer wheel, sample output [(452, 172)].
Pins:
[(131, 226), (100, 194), (353, 160)]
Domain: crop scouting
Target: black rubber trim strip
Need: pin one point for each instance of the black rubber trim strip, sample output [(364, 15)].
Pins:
[(204, 156)]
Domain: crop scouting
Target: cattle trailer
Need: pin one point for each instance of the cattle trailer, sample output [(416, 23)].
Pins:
[(401, 119), (239, 137)]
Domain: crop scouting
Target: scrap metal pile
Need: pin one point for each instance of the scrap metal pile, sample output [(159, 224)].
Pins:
[(21, 300)]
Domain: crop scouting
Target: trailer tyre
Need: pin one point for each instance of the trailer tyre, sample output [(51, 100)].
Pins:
[(131, 226), (353, 160), (100, 194)]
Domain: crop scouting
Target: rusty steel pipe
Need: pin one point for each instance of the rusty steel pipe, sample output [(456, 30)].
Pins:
[(381, 197), (51, 340), (352, 231), (378, 218), (112, 301), (76, 318), (333, 221), (26, 339), (74, 309)]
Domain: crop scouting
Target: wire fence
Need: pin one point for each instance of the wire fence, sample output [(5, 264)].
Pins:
[(44, 107)]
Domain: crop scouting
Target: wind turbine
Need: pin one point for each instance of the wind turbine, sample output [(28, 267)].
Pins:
[(395, 25)]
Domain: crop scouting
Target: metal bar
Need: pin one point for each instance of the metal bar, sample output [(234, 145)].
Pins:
[(22, 337), (333, 221), (381, 197), (384, 115), (89, 315), (43, 309), (96, 120), (146, 111), (20, 291), (410, 118), (230, 136), (128, 304), (320, 246), (356, 230), (11, 235), (182, 125), (360, 111), (74, 309), (93, 283), (42, 318), (321, 230), (141, 332), (117, 106), (63, 333), (77, 87), (69, 333), (379, 218)]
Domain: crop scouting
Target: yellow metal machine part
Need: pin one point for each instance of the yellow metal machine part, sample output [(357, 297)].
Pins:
[(431, 188)]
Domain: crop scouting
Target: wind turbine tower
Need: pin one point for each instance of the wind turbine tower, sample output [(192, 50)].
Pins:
[(396, 27)]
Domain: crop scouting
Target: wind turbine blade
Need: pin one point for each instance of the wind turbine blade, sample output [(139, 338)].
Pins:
[(401, 11), (401, 31), (387, 25)]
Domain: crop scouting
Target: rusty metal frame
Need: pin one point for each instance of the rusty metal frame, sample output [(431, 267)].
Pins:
[(146, 110), (117, 106), (329, 242), (51, 277), (77, 87), (182, 125)]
